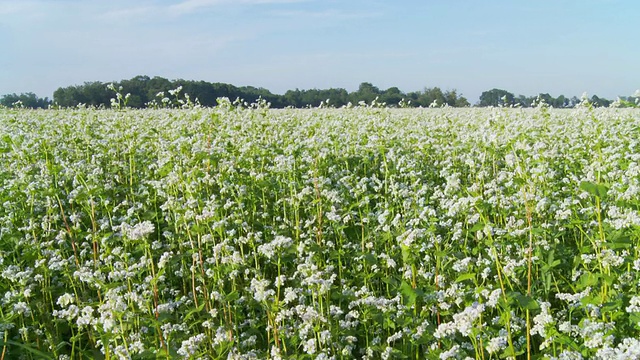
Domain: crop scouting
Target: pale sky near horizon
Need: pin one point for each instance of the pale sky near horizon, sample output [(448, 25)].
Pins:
[(558, 47)]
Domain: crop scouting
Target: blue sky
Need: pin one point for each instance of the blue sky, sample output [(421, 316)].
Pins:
[(561, 47)]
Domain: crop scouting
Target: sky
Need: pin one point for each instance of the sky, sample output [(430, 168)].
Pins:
[(558, 47)]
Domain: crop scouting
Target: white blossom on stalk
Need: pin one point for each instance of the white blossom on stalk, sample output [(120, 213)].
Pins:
[(138, 231), (542, 320), (259, 289)]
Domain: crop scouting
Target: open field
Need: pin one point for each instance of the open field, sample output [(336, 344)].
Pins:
[(320, 233)]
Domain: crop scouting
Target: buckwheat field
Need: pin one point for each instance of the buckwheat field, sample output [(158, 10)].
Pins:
[(374, 233)]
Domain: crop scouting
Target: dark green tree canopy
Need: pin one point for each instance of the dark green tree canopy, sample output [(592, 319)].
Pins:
[(27, 100), (496, 97), (144, 91)]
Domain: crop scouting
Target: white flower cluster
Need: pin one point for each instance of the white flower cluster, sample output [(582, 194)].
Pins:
[(462, 322), (138, 231)]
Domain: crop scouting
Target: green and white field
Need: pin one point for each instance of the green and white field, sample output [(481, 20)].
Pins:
[(249, 233)]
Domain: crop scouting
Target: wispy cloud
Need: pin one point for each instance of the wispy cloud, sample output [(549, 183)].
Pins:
[(25, 9), (13, 7), (330, 14), (189, 6), (133, 12), (364, 55)]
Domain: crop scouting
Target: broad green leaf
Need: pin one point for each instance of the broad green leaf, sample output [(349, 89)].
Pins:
[(409, 293), (466, 276), (32, 350), (477, 227), (523, 301), (232, 296), (598, 190)]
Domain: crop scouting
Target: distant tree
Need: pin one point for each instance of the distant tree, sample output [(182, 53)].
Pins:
[(392, 96), (137, 87), (427, 97), (293, 98), (548, 99), (226, 90), (311, 97), (158, 86), (560, 102), (143, 89), (431, 96), (27, 100), (96, 93), (203, 91), (69, 96), (314, 97), (453, 99), (252, 94), (366, 92), (630, 101), (496, 97), (574, 101), (599, 102), (461, 101), (523, 101), (337, 97)]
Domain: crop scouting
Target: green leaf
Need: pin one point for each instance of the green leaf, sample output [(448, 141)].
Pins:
[(389, 281), (566, 341), (232, 296), (587, 280), (622, 242), (510, 353), (524, 302), (598, 190), (409, 293), (370, 259), (612, 306), (34, 351), (634, 320), (406, 254), (192, 312), (466, 276)]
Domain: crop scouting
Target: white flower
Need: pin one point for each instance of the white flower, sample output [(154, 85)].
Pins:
[(542, 320), (278, 243), (166, 256), (290, 295), (394, 337), (386, 354), (462, 322), (634, 304), (65, 299), (190, 346), (309, 346), (259, 289), (496, 344), (451, 353), (139, 231)]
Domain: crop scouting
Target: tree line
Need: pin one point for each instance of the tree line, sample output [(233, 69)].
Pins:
[(28, 100), (143, 91), (499, 97)]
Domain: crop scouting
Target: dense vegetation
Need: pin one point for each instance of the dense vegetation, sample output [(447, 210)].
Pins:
[(27, 100), (145, 91), (249, 233)]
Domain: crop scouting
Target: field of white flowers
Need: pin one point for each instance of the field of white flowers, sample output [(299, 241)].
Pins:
[(320, 233)]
